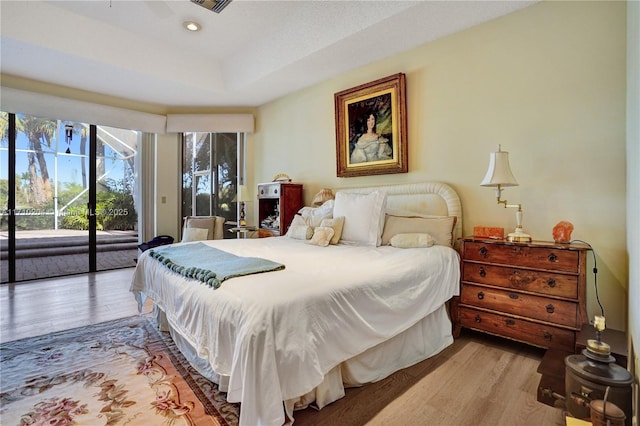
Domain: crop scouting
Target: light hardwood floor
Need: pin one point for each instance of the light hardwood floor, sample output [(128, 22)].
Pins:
[(33, 308), (479, 380)]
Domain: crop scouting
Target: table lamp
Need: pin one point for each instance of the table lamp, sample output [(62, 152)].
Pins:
[(322, 196), (499, 176)]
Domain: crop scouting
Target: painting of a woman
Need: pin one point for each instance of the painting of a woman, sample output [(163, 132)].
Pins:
[(370, 146), (371, 128)]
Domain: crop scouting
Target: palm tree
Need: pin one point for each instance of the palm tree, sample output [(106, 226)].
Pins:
[(83, 131), (4, 125), (39, 132)]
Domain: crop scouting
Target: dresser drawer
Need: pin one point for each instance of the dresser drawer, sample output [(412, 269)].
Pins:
[(556, 311), (525, 331), (522, 279), (269, 190), (524, 256)]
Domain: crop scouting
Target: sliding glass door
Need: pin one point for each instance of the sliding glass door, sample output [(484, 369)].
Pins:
[(116, 205), (66, 195)]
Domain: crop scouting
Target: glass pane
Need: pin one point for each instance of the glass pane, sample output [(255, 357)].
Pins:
[(187, 174), (202, 156), (226, 158), (51, 217), (116, 198), (4, 196), (203, 195)]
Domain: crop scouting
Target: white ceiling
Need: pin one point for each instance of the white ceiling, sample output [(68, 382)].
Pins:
[(251, 53)]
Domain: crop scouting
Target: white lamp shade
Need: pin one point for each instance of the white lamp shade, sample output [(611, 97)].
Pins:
[(325, 194), (499, 172), (243, 194)]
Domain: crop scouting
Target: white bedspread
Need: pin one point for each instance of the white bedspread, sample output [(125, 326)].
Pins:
[(277, 334)]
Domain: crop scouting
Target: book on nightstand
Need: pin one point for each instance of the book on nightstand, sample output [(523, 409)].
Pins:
[(488, 232)]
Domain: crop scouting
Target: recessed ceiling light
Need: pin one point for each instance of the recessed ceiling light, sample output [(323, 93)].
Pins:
[(191, 25)]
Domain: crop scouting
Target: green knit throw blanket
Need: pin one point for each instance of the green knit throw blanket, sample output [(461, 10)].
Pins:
[(210, 265)]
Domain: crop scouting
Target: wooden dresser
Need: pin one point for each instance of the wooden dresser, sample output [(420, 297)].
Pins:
[(530, 292), (280, 200)]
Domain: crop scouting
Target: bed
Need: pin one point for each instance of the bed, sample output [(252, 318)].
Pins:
[(336, 315)]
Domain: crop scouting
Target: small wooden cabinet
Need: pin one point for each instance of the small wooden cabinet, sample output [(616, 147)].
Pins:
[(278, 203), (530, 292)]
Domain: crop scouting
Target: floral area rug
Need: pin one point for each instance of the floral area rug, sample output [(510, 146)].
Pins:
[(122, 372)]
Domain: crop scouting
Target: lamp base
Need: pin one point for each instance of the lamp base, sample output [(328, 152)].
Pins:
[(519, 236), (242, 221)]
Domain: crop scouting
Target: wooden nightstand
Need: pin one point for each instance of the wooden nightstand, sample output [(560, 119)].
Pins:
[(530, 292)]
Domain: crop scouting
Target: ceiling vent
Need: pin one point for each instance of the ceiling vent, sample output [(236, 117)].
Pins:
[(215, 5)]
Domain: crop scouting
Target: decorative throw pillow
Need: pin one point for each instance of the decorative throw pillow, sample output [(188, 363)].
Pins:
[(439, 227), (321, 236), (300, 232), (297, 220), (336, 224), (194, 234), (412, 240), (315, 215), (363, 216)]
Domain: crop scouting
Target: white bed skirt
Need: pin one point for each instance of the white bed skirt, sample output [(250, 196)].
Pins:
[(424, 339)]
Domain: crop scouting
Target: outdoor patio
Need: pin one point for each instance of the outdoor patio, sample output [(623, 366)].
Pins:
[(51, 253)]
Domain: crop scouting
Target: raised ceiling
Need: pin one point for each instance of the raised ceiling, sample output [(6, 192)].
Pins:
[(251, 53)]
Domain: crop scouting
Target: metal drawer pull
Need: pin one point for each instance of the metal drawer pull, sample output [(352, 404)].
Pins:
[(483, 251), (480, 295), (550, 308), (551, 282), (552, 257), (547, 335), (510, 322), (478, 319), (483, 273), (513, 296)]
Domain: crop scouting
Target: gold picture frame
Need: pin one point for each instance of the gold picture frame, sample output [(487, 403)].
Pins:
[(363, 149)]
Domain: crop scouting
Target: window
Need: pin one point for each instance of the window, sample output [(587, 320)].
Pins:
[(212, 167)]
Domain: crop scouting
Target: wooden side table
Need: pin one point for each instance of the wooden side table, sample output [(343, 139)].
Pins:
[(243, 231), (552, 367), (617, 340)]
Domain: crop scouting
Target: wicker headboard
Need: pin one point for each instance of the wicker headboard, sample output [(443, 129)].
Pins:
[(425, 198)]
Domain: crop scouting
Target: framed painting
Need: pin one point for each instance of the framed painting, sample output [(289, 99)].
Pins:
[(371, 128)]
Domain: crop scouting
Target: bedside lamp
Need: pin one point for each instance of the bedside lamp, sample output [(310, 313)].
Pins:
[(499, 176)]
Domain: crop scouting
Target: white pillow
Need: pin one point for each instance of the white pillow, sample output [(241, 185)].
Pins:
[(315, 215), (321, 236), (412, 240), (439, 227), (337, 223), (363, 216), (298, 220), (194, 234)]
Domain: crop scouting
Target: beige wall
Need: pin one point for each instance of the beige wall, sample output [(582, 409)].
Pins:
[(547, 82), (168, 185)]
